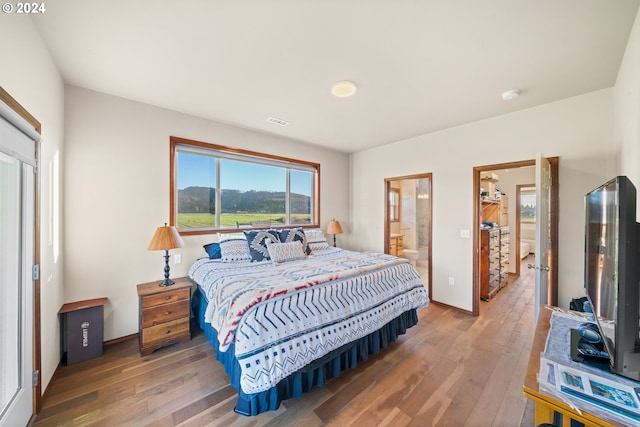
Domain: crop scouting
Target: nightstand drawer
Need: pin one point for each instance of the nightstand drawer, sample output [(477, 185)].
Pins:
[(166, 297), (164, 332), (165, 312)]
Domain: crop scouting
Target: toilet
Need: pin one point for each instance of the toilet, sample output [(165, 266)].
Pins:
[(411, 255)]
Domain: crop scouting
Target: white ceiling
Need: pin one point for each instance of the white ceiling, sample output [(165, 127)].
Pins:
[(420, 66)]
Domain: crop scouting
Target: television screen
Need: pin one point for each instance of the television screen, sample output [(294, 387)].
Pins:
[(602, 256), (611, 273)]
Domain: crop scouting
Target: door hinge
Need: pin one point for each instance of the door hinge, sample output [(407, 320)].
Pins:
[(35, 272), (35, 378)]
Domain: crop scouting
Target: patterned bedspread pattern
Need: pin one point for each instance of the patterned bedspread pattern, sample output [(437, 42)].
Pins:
[(280, 317)]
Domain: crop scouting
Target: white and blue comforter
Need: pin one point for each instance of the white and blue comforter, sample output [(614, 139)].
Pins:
[(281, 317)]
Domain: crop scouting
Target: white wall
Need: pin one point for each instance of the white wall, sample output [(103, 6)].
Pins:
[(29, 75), (117, 187), (627, 110), (578, 130)]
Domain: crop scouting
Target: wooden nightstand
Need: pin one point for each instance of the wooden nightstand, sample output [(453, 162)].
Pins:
[(164, 314)]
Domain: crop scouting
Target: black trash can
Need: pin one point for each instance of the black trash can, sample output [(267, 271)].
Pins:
[(81, 330)]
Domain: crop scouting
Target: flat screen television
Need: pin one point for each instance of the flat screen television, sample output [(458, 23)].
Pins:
[(612, 279)]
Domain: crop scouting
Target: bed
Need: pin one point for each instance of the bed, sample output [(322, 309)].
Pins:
[(281, 326)]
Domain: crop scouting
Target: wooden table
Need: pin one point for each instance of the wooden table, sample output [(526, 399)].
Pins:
[(546, 406)]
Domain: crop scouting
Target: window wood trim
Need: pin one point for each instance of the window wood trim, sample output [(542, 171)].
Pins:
[(15, 106), (174, 141)]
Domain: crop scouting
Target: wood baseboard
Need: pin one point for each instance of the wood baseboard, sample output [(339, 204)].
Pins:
[(441, 304), (121, 339)]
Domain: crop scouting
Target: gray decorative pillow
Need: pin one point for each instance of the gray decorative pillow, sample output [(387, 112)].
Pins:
[(284, 252), (294, 234), (234, 250), (258, 243), (316, 240)]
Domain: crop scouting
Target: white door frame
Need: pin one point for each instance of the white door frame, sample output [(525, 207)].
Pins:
[(12, 112)]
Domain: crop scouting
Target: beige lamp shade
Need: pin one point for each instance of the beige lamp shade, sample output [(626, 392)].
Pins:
[(165, 238), (334, 227)]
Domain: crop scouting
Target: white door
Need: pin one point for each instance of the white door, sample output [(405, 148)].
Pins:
[(16, 280), (543, 237)]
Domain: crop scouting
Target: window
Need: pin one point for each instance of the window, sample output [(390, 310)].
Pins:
[(528, 205), (215, 187), (394, 204)]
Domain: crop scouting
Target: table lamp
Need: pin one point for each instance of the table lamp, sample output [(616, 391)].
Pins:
[(166, 238), (334, 228)]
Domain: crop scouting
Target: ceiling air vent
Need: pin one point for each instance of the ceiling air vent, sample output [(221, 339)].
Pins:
[(278, 122)]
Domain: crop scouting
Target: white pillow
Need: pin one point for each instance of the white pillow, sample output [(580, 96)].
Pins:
[(234, 250), (284, 252), (231, 236), (316, 240)]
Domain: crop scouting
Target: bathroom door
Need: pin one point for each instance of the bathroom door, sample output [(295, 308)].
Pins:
[(408, 213)]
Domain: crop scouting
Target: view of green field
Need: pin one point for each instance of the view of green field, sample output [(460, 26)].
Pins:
[(227, 220)]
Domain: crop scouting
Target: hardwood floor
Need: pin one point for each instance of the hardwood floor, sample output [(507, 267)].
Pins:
[(449, 370)]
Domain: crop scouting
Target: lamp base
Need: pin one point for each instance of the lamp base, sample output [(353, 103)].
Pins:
[(166, 282)]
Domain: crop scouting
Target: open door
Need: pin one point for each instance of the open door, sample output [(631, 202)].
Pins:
[(407, 223), (543, 234)]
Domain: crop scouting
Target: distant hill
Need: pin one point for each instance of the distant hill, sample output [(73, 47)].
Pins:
[(202, 200)]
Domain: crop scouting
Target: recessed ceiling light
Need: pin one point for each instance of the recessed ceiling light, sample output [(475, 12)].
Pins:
[(510, 94), (343, 89)]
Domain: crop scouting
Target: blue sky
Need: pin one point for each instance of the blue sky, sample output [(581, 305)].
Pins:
[(198, 170)]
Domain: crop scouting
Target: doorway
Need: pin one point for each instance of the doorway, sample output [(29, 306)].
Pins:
[(19, 282), (512, 229), (525, 211), (407, 223)]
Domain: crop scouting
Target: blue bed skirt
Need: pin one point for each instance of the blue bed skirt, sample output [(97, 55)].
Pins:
[(314, 374)]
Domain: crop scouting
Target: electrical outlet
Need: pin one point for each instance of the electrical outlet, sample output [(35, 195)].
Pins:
[(177, 258), (465, 234), (451, 281)]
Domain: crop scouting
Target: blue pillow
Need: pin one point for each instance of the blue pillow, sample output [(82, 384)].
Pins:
[(294, 234), (213, 250), (258, 243)]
